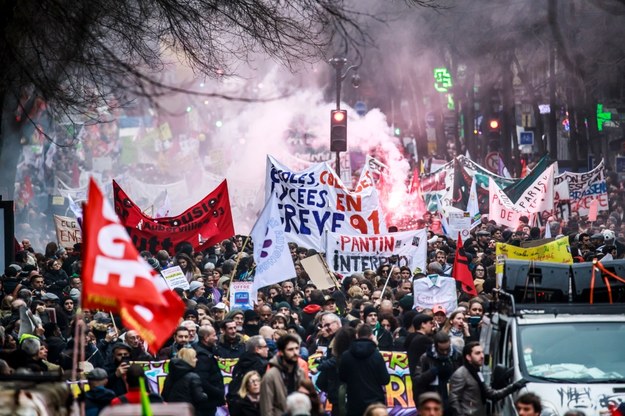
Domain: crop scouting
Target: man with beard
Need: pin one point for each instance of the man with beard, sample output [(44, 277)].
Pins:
[(117, 368), (282, 378), (253, 359), (436, 367), (467, 391), (208, 370), (231, 344), (181, 340)]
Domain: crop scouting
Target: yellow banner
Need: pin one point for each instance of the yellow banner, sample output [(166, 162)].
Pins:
[(557, 251)]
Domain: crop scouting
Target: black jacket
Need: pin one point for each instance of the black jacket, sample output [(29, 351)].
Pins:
[(212, 380), (364, 371), (433, 373), (183, 385), (418, 346), (244, 407), (225, 349), (249, 361)]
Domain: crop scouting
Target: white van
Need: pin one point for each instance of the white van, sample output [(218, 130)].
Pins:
[(572, 354)]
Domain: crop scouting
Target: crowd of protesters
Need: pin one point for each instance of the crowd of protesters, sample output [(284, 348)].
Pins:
[(346, 327)]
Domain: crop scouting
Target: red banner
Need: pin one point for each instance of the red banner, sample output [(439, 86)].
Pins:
[(117, 279), (204, 224)]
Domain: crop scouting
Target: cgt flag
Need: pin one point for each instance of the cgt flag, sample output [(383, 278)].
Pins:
[(271, 250), (461, 271), (118, 280)]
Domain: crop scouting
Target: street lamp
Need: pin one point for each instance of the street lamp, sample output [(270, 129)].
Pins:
[(339, 64)]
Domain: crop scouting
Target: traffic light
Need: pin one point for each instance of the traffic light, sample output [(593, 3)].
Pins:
[(493, 125), (338, 130)]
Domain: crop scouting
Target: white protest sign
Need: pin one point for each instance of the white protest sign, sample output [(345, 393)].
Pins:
[(354, 253), (175, 277), (459, 222), (314, 200), (241, 295), (67, 231), (584, 187), (538, 197), (501, 209), (435, 290)]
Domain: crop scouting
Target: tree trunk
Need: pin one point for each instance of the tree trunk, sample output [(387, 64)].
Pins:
[(10, 146)]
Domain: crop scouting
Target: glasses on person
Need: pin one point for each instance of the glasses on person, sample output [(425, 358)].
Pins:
[(326, 325), (254, 381)]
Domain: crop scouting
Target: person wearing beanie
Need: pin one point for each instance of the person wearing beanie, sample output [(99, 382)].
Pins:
[(251, 323), (384, 338), (196, 290), (283, 308)]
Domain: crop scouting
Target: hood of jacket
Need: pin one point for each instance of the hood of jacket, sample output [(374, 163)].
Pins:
[(178, 368), (363, 348), (237, 340)]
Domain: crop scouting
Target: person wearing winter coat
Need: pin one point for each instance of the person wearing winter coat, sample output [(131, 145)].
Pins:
[(208, 370), (363, 370), (253, 359), (467, 391), (182, 383), (282, 378), (436, 367), (247, 399)]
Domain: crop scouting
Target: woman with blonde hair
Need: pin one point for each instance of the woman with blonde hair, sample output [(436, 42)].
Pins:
[(183, 383), (248, 401)]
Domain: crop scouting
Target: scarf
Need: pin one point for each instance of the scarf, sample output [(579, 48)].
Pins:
[(474, 373)]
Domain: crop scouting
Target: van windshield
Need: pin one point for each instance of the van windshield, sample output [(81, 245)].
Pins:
[(575, 352)]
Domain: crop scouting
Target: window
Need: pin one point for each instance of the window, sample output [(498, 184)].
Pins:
[(582, 352)]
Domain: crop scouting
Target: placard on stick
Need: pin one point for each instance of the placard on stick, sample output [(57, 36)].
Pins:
[(319, 272)]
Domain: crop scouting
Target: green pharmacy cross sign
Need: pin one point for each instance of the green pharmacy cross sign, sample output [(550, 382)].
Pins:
[(442, 79), (602, 117)]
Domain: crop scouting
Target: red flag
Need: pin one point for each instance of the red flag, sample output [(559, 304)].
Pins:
[(117, 279), (461, 271), (203, 225)]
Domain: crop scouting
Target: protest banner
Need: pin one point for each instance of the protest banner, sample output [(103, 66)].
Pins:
[(68, 231), (584, 187), (241, 295), (557, 251), (399, 400), (204, 224), (348, 254), (501, 209), (175, 277), (315, 200), (538, 196)]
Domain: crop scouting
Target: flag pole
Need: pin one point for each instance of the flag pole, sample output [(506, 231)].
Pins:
[(388, 277)]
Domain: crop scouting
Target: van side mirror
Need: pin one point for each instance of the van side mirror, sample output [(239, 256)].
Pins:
[(501, 376)]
